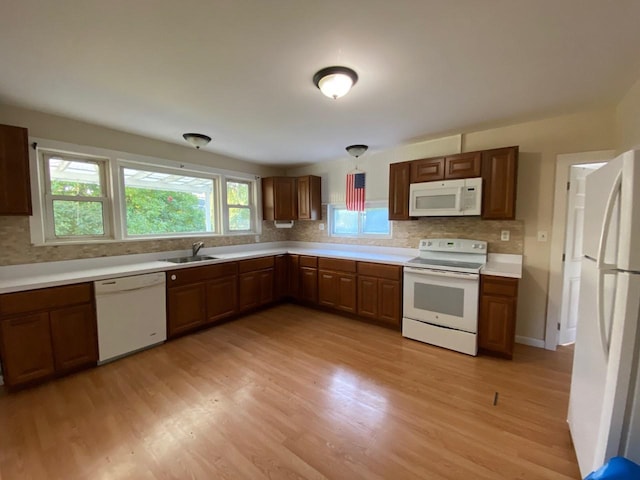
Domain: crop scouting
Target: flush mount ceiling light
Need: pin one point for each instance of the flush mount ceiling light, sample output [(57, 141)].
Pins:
[(356, 150), (335, 82), (197, 139)]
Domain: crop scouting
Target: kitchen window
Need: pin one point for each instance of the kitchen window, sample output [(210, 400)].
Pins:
[(84, 194), (373, 222), (162, 202), (76, 198), (240, 206)]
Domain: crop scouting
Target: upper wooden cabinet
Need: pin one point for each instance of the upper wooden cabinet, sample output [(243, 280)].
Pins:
[(498, 169), (15, 190), (499, 175), (279, 198), (427, 170), (291, 198), (399, 174), (464, 165), (309, 198)]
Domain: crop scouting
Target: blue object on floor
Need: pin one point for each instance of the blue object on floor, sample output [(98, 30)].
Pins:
[(618, 468)]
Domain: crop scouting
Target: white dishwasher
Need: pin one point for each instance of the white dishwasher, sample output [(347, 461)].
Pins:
[(131, 314)]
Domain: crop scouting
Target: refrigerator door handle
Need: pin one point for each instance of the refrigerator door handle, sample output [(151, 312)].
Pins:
[(602, 328), (602, 245)]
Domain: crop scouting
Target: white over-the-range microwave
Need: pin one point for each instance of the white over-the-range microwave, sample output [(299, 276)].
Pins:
[(446, 198)]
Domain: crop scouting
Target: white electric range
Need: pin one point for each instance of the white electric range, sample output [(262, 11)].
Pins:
[(441, 289)]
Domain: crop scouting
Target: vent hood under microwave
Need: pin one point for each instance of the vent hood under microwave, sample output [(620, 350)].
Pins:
[(446, 198)]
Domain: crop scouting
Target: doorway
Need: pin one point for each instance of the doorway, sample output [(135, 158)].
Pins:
[(566, 244)]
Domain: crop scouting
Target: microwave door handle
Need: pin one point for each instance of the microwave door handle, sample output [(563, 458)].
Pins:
[(459, 199)]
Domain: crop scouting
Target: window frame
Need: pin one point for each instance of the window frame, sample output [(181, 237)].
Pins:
[(41, 222), (331, 208), (48, 198), (252, 207), (123, 164)]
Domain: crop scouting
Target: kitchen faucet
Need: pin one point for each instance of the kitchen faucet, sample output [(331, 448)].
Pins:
[(195, 248)]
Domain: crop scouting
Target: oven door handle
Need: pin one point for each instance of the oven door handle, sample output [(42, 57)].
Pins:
[(440, 273)]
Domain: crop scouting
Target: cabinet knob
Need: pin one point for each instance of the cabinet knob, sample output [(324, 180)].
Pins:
[(173, 277)]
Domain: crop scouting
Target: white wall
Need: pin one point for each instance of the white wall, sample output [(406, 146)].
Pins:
[(628, 120), (376, 166)]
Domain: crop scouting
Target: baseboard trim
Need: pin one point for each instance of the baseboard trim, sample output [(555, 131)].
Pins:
[(532, 342)]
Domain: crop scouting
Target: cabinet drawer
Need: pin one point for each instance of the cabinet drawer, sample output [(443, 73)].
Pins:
[(337, 264), (198, 274), (307, 261), (500, 286), (46, 298), (391, 272), (256, 264)]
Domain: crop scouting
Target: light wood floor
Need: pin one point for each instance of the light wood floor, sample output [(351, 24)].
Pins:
[(295, 393)]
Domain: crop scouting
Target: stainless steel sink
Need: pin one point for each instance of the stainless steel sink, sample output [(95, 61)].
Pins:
[(194, 258)]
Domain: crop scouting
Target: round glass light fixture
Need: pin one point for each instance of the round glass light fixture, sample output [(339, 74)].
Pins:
[(197, 139), (356, 150), (335, 82)]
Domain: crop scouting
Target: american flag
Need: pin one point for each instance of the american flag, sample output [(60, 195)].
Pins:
[(355, 192)]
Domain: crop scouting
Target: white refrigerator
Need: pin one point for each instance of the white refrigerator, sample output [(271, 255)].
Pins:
[(604, 404)]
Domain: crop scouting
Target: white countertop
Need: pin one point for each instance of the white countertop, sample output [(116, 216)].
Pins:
[(16, 278), (503, 265)]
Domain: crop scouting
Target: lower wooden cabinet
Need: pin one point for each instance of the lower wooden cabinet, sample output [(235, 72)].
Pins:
[(201, 295), (73, 334), (186, 308), (308, 277), (281, 277), (47, 332), (380, 292), (337, 284), (497, 315), (222, 298), (27, 353), (255, 283), (294, 276)]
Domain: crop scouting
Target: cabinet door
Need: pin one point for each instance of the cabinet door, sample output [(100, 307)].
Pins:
[(15, 190), (74, 336), (328, 288), (286, 199), (281, 277), (499, 175), (249, 290), (427, 170), (27, 353), (399, 191), (308, 284), (368, 297), (346, 293), (294, 276), (222, 298), (186, 308), (265, 286), (389, 301), (465, 165), (496, 325), (309, 198)]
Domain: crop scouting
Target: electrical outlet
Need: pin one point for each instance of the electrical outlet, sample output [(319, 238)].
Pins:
[(542, 236), (321, 226), (505, 235), (257, 238)]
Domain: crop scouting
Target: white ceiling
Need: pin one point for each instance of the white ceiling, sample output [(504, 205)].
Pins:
[(241, 70)]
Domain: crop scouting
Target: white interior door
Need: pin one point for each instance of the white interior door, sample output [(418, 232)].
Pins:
[(573, 252)]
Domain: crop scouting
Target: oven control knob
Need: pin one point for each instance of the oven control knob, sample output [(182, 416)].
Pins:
[(429, 244)]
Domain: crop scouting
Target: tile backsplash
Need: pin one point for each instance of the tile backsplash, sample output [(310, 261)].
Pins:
[(16, 248), (406, 234)]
